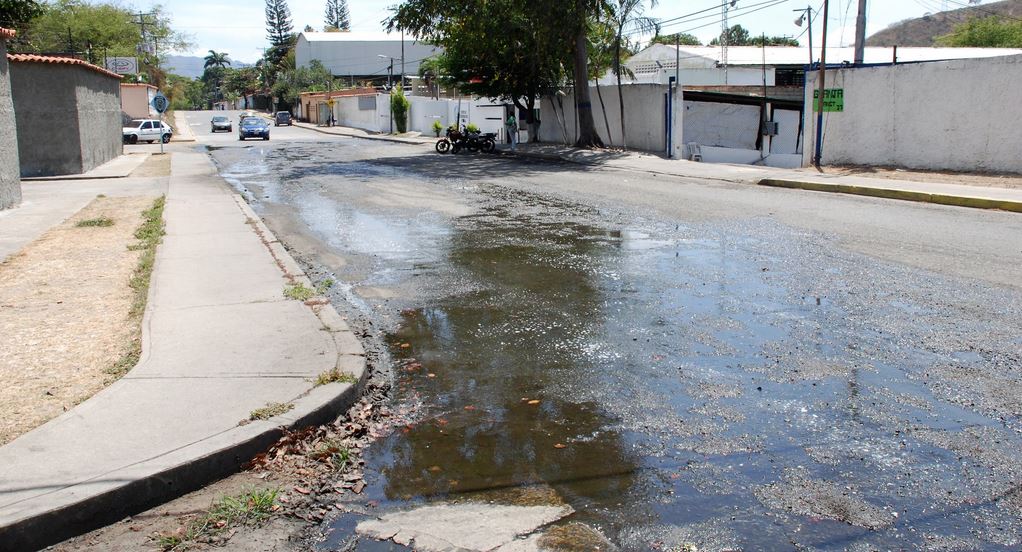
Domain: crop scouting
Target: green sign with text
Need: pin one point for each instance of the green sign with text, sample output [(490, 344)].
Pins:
[(833, 100)]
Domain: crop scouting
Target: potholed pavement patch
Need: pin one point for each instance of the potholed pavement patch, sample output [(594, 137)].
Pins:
[(464, 526)]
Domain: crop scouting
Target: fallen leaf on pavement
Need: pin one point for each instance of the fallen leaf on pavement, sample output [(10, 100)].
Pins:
[(534, 401), (560, 446)]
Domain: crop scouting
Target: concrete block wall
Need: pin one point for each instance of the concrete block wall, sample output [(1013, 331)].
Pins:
[(68, 118), (960, 115), (10, 172), (99, 118)]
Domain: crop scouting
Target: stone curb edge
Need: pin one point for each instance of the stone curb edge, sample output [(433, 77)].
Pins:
[(367, 136), (903, 195), (316, 406)]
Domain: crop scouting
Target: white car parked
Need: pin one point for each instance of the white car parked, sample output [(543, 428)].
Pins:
[(147, 130)]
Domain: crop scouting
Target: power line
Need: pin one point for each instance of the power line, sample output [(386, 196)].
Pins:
[(775, 3), (717, 18)]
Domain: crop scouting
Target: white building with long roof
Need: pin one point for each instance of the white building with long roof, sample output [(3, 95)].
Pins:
[(362, 55), (784, 65)]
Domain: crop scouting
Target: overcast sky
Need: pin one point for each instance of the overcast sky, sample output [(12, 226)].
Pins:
[(237, 26)]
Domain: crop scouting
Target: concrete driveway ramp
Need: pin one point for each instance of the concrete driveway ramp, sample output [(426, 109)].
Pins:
[(464, 527)]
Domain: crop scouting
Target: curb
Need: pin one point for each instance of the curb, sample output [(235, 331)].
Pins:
[(231, 449), (73, 177), (380, 138), (903, 195)]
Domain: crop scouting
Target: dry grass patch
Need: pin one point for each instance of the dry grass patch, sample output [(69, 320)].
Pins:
[(66, 313)]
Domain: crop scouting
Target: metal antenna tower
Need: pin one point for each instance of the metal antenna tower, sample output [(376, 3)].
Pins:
[(725, 36)]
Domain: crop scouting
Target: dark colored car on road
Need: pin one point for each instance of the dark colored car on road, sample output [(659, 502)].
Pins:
[(253, 127), (219, 122), (282, 118)]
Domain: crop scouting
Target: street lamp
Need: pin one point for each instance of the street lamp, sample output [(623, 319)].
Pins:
[(807, 15), (390, 69)]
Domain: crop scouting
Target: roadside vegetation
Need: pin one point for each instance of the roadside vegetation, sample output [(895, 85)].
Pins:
[(103, 221), (249, 509), (270, 410), (335, 376), (149, 234), (301, 292)]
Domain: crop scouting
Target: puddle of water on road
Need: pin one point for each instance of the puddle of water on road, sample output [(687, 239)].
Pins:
[(681, 384)]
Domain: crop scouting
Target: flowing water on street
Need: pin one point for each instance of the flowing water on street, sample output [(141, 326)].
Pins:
[(735, 384)]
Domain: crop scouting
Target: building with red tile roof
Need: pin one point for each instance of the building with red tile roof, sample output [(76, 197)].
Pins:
[(67, 112)]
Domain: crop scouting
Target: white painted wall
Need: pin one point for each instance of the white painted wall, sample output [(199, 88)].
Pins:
[(645, 115), (348, 112), (485, 114), (950, 115), (721, 124)]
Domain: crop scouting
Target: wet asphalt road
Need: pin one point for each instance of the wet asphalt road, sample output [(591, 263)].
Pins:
[(680, 361)]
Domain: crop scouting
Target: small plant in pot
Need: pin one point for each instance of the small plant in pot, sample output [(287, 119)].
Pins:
[(437, 128), (472, 127)]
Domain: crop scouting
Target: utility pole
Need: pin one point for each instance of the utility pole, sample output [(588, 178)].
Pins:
[(860, 33), (823, 88), (402, 60)]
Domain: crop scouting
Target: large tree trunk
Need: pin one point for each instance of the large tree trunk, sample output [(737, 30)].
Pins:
[(620, 92), (587, 135), (603, 107)]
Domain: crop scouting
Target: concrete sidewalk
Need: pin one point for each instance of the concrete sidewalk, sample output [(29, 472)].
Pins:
[(118, 167), (358, 133), (49, 203), (219, 341), (981, 197), (182, 132)]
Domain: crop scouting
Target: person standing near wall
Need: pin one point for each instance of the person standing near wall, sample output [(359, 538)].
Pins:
[(512, 130)]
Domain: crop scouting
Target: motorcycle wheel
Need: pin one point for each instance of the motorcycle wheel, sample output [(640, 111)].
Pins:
[(456, 148), (443, 146), (489, 145), (473, 147)]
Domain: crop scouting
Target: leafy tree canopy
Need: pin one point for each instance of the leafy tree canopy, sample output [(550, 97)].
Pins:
[(986, 32), (94, 30), (510, 49), (15, 14), (684, 39), (735, 36), (773, 41), (295, 80)]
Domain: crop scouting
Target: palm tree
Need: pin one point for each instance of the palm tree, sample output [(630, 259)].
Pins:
[(627, 16), (216, 59)]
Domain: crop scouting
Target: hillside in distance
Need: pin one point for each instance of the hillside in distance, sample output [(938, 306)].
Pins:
[(191, 66), (925, 30)]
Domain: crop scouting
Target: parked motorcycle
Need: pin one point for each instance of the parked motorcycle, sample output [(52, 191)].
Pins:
[(457, 140)]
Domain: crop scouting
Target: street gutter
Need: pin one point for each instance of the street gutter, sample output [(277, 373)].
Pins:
[(973, 202)]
